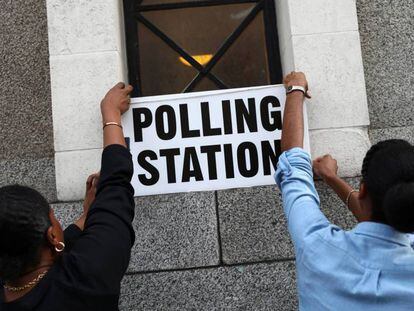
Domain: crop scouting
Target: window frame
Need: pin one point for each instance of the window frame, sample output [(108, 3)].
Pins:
[(133, 18)]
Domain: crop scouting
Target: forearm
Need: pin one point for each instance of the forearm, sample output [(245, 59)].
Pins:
[(80, 223), (343, 189), (113, 134), (293, 128)]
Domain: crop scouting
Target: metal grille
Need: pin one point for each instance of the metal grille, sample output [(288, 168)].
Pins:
[(134, 18)]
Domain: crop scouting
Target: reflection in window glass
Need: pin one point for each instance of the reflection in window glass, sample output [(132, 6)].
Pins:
[(199, 31), (161, 71), (245, 62), (205, 85)]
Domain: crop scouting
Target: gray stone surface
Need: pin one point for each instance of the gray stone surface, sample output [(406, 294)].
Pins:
[(387, 36), (333, 208), (406, 133), (26, 116), (172, 231), (175, 231), (252, 287), (35, 173), (253, 226), (67, 213)]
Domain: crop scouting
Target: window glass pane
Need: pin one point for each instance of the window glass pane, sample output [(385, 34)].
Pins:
[(205, 85), (150, 2), (245, 62), (202, 30), (161, 70)]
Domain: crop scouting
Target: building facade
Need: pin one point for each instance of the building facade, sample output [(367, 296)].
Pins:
[(220, 250)]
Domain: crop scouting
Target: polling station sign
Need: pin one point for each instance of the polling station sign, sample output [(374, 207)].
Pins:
[(206, 140)]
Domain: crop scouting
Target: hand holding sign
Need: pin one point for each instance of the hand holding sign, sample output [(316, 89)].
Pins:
[(116, 102), (205, 141)]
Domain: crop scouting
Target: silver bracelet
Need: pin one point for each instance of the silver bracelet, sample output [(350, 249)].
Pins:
[(349, 196)]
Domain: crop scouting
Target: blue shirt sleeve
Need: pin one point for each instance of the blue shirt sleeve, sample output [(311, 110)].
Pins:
[(301, 203)]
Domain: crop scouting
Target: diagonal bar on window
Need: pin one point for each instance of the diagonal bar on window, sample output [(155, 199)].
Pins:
[(224, 47), (179, 50)]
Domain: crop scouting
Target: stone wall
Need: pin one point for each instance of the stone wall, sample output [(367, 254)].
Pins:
[(387, 39), (224, 250), (26, 133)]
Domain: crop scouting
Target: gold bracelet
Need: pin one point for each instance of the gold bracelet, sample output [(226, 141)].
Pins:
[(112, 123), (349, 196)]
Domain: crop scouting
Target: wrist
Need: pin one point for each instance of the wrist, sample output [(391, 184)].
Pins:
[(330, 178), (296, 95), (112, 116)]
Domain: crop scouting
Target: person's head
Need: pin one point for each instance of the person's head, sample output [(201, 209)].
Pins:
[(28, 231), (387, 186)]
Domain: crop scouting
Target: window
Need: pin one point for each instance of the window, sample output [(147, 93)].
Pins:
[(176, 46)]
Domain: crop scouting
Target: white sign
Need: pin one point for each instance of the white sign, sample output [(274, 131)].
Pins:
[(205, 141)]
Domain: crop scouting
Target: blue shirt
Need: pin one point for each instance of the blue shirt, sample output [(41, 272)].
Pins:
[(368, 268)]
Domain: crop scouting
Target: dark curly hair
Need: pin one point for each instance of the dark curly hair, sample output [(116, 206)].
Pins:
[(24, 220), (388, 173)]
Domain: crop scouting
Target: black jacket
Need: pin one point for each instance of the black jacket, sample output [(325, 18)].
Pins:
[(88, 274)]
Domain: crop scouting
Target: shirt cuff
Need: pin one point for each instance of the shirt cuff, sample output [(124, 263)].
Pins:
[(290, 160)]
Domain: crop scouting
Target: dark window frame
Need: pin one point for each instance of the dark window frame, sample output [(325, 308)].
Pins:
[(133, 17)]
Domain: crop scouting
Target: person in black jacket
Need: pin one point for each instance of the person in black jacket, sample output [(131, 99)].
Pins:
[(44, 268)]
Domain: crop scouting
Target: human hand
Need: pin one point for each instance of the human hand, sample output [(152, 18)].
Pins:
[(90, 193), (325, 167), (116, 102), (296, 78)]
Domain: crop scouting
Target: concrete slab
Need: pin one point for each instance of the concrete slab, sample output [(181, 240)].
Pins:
[(36, 173), (405, 132), (387, 47), (252, 225), (82, 26), (252, 287), (175, 231), (172, 231), (333, 65), (322, 16), (26, 120)]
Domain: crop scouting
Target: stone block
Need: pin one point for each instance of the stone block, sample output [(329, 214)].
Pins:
[(322, 16), (26, 120), (386, 29), (78, 26), (68, 213), (72, 170), (347, 145), (175, 231), (79, 82), (406, 133), (332, 206), (285, 35), (36, 173), (252, 287), (333, 65), (252, 225)]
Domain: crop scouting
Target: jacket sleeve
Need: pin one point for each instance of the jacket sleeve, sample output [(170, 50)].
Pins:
[(71, 234), (100, 257)]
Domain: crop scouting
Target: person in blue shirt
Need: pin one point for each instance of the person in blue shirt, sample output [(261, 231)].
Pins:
[(370, 267)]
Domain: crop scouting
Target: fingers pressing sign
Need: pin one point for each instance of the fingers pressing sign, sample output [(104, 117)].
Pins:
[(116, 102)]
